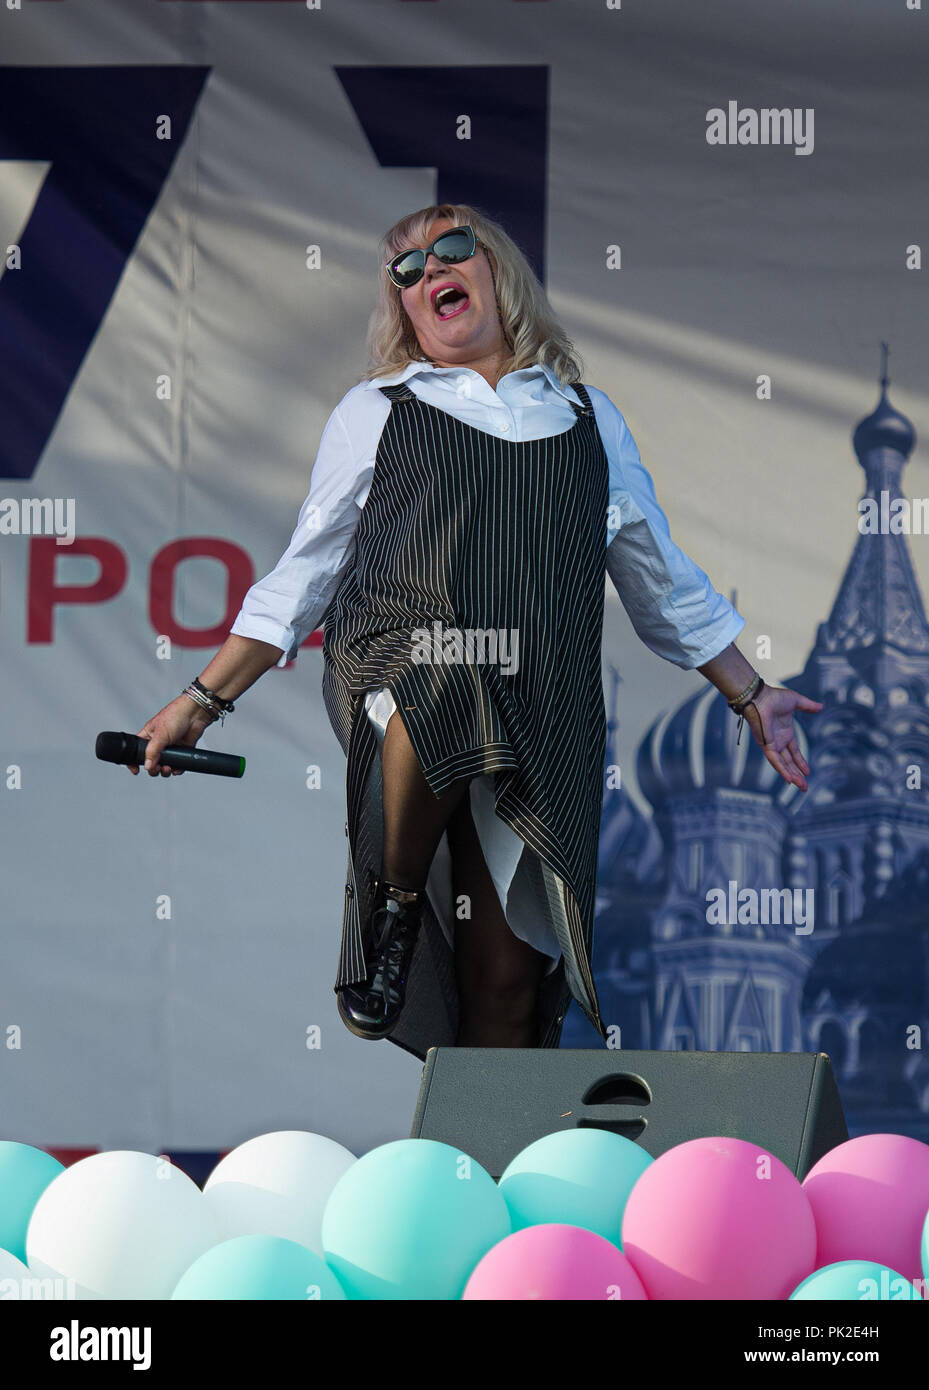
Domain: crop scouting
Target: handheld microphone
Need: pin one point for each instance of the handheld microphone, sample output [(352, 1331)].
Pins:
[(129, 751)]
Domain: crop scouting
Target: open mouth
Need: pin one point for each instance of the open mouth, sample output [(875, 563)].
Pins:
[(449, 300)]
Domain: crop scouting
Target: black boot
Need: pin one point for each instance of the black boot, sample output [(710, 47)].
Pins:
[(371, 1009)]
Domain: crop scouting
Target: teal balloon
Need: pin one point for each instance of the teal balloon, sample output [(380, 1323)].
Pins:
[(259, 1267), (575, 1177), (411, 1220), (25, 1173), (856, 1281)]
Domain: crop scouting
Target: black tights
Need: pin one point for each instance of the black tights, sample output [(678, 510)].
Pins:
[(497, 973), (414, 817)]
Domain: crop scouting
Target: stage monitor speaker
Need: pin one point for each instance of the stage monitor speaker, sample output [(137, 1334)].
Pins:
[(491, 1102)]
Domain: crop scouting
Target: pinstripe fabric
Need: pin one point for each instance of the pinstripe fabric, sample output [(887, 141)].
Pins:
[(469, 531)]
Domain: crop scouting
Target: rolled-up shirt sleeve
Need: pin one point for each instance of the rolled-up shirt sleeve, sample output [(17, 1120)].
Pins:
[(671, 603), (288, 604)]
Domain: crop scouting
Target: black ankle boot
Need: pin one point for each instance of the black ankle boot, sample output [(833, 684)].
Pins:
[(371, 1009)]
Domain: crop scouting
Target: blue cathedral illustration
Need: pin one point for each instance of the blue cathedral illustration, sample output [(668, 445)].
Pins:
[(857, 985)]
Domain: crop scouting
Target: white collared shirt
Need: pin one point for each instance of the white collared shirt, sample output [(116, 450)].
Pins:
[(670, 601)]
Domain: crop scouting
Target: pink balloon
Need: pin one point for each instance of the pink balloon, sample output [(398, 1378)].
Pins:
[(719, 1218), (553, 1261), (869, 1197)]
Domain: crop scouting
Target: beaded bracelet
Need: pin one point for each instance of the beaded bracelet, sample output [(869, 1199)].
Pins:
[(753, 686), (741, 703)]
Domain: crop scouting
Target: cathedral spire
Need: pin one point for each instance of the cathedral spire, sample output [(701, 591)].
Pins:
[(878, 624), (884, 428)]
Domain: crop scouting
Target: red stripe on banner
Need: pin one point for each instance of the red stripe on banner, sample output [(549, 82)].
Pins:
[(68, 1156)]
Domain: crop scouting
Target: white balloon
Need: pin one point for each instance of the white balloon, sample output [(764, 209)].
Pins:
[(277, 1185), (121, 1224)]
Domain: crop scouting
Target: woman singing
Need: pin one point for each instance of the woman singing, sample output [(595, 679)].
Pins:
[(468, 496)]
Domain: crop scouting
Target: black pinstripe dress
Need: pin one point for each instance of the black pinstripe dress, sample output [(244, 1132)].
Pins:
[(472, 532)]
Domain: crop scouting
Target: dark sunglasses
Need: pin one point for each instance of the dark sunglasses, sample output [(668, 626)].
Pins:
[(457, 244)]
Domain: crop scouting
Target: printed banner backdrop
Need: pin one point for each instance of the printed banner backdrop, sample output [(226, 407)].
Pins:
[(191, 197)]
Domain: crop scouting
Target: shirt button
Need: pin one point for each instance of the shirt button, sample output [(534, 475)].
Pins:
[(505, 427)]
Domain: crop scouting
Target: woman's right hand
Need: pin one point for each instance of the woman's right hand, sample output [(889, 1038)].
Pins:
[(182, 721)]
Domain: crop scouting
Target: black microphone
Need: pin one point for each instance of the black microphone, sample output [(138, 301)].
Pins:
[(129, 751)]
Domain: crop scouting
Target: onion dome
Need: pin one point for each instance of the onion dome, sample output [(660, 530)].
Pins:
[(885, 427)]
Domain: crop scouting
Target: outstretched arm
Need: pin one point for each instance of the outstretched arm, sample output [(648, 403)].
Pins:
[(281, 609), (770, 717), (236, 667), (673, 605)]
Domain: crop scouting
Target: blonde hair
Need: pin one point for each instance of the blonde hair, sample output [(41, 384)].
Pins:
[(528, 319)]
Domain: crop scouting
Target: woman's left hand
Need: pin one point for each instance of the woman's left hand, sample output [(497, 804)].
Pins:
[(776, 705)]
